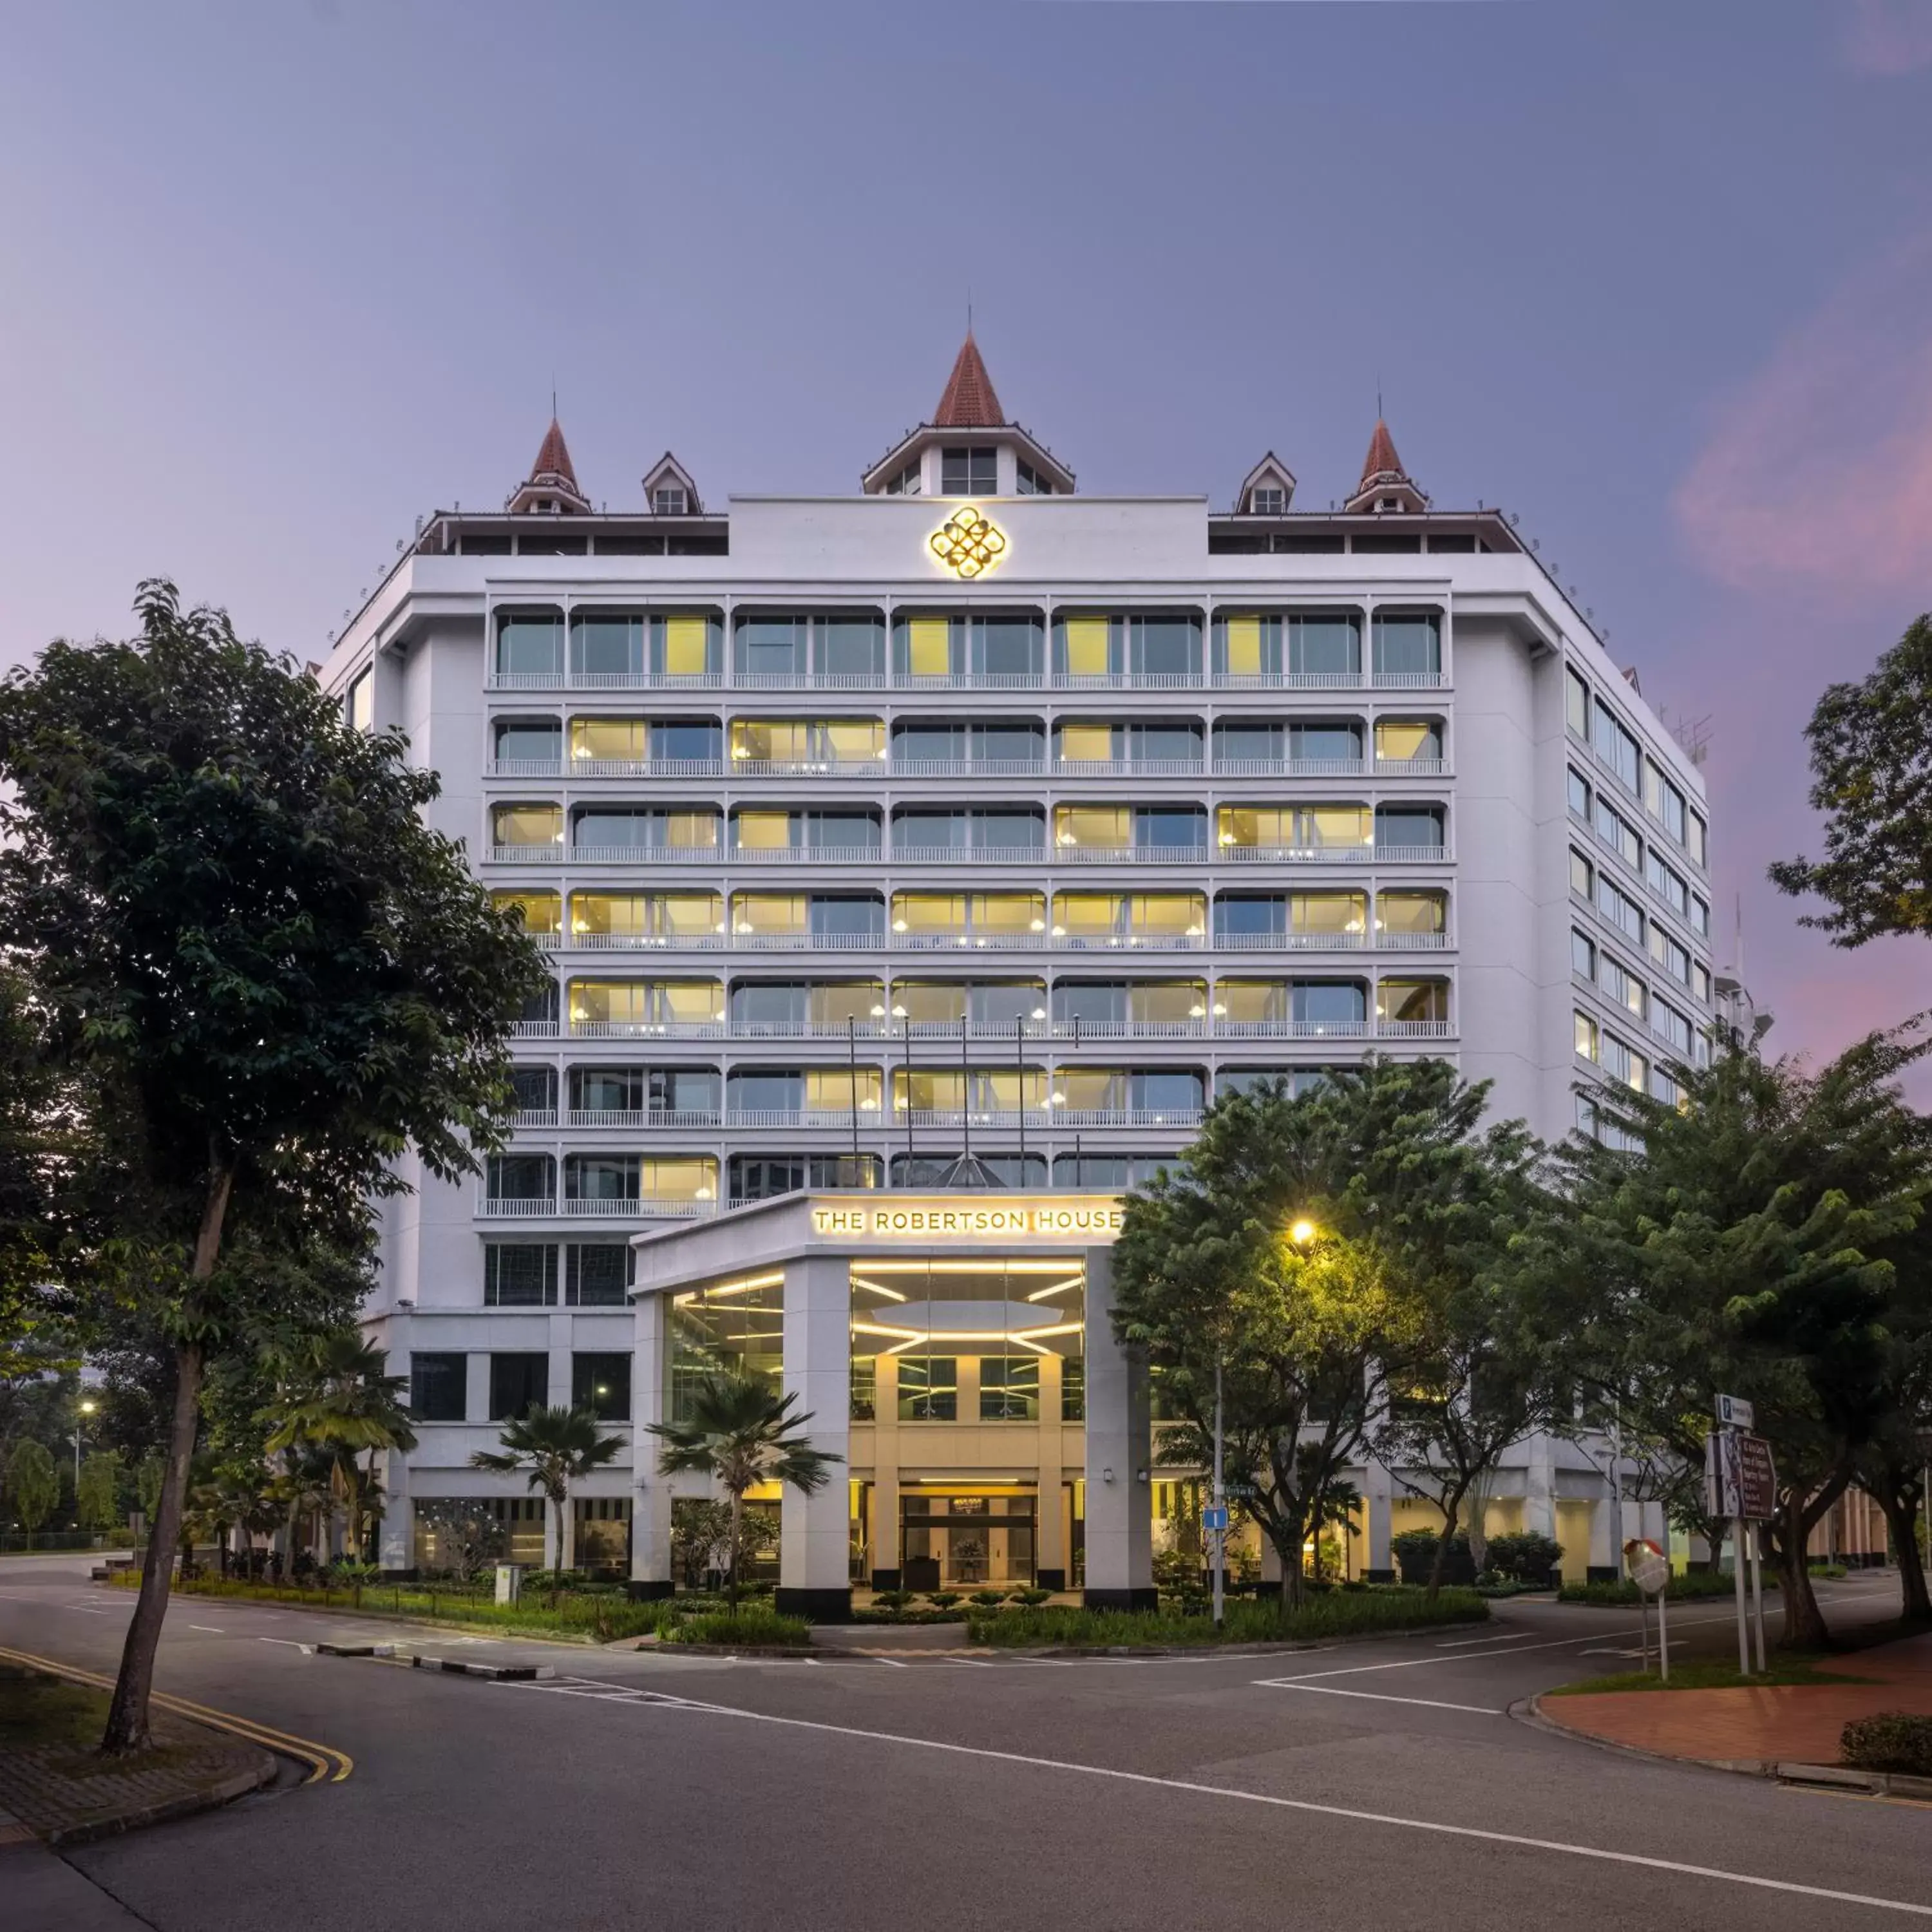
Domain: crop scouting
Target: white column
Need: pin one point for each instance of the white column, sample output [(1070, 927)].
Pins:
[(1120, 1508), (395, 1538), (814, 1565), (1539, 1496), (1378, 1505), (650, 1496)]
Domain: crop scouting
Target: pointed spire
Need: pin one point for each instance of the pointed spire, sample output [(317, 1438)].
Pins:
[(1385, 483), (969, 402), (551, 486), (554, 458)]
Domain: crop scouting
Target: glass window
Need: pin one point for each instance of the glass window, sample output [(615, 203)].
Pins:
[(1408, 645), (1086, 646), (607, 644), (1087, 744), (972, 471), (519, 1382), (617, 741), (1619, 908), (360, 709), (527, 825), (439, 1388), (1624, 988), (1030, 481), (1674, 958), (1411, 914), (1403, 740), (1325, 1002), (1581, 875), (1248, 647), (1700, 915), (1587, 1037), (596, 1273), (1241, 916), (1615, 745), (1267, 500), (852, 646), (539, 912), (1409, 828), (1072, 1387), (1623, 1063), (534, 741), (530, 643), (928, 1388), (1666, 884), (1618, 833), (1576, 704), (1340, 742), (1335, 912), (1697, 840), (1324, 646), (519, 1176), (684, 646), (1582, 956), (1412, 1002), (1008, 1388), (600, 1177), (1579, 796), (1700, 982), (601, 1383), (929, 646), (1164, 647)]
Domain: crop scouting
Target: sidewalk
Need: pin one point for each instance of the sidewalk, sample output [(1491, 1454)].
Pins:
[(1792, 1723), (54, 1786)]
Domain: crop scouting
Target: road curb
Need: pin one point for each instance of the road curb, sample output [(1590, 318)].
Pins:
[(211, 1798), (1786, 1771), (451, 1666)]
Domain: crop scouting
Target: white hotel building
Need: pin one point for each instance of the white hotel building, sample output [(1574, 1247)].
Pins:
[(967, 815)]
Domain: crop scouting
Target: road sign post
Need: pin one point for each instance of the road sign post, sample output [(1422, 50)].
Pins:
[(1741, 1483), (1650, 1570)]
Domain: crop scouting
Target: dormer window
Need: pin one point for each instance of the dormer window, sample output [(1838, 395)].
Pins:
[(1387, 503), (906, 483), (1269, 500), (547, 505), (973, 472), (1030, 482), (670, 500)]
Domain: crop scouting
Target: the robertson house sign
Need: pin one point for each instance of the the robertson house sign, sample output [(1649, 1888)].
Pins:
[(1013, 1219)]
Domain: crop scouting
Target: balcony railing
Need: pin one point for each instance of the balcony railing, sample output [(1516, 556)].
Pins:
[(1139, 768), (902, 767), (647, 855), (970, 855), (604, 768), (528, 1117), (1131, 855), (635, 1207), (805, 855), (1127, 1117), (796, 768), (1415, 1029), (1334, 855), (658, 1117), (1193, 679), (517, 1207), (550, 854), (646, 1030), (801, 1116)]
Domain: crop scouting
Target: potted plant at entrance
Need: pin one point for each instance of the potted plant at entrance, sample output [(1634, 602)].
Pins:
[(740, 1431)]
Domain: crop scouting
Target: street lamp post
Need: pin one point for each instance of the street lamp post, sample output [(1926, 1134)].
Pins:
[(81, 1409)]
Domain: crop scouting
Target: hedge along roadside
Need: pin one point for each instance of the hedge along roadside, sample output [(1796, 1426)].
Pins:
[(1339, 1613)]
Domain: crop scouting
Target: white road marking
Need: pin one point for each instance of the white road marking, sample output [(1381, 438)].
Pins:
[(213, 1629), (289, 1643), (1600, 1853), (1465, 1642), (1381, 1697)]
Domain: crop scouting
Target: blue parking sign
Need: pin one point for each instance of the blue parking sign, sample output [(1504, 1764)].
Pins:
[(1214, 1518)]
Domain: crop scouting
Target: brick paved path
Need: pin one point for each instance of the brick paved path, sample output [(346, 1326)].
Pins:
[(1796, 1723), (53, 1788)]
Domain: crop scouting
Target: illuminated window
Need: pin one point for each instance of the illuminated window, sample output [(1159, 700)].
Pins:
[(1400, 740), (1411, 914), (541, 912), (608, 740), (686, 647), (929, 646), (360, 709), (1588, 1038), (527, 825), (1086, 646), (1008, 1388), (1126, 917), (1408, 1002), (1576, 704), (928, 1388)]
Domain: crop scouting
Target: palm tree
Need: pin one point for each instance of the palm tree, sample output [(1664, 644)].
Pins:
[(304, 1487), (346, 1402), (553, 1447), (741, 1431)]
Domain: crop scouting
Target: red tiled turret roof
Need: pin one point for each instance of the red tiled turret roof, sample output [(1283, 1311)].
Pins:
[(554, 458), (1381, 463), (969, 402)]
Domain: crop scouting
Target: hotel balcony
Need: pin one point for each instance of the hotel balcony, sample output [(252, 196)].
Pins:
[(964, 680), (675, 1117), (630, 1207)]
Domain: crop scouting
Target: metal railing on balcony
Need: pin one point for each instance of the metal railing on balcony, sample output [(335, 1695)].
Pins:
[(550, 854), (639, 942), (1131, 855), (805, 855), (809, 680), (1411, 768), (1290, 768), (640, 1207), (970, 680), (902, 767), (1333, 855), (517, 1206), (1127, 680), (1288, 680), (800, 768), (971, 855), (1408, 680), (528, 1117), (1127, 1117), (649, 1116), (1415, 1029), (869, 1113), (646, 1030), (523, 768), (646, 855), (1138, 768)]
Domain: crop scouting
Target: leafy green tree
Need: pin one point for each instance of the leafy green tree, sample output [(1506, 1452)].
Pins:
[(552, 1448), (1871, 774), (740, 1431), (98, 1499), (33, 1484), (243, 929), (1748, 1244), (344, 1401), (1385, 1170), (469, 1536)]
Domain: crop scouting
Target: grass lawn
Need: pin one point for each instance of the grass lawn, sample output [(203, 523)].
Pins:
[(37, 1713), (1710, 1676)]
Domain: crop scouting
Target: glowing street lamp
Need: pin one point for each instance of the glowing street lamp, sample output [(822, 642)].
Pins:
[(1302, 1232)]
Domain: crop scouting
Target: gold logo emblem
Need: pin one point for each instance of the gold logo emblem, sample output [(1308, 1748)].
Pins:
[(969, 544)]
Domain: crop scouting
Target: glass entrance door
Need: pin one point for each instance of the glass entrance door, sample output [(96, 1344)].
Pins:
[(967, 1542)]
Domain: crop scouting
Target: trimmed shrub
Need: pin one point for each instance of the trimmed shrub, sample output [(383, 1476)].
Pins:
[(1414, 1552), (1687, 1587), (1525, 1557), (1894, 1741), (1336, 1613), (751, 1625)]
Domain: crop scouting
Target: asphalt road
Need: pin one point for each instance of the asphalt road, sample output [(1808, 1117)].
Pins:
[(1367, 1785)]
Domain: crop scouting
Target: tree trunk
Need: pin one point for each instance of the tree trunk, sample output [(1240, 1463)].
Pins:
[(1804, 1626), (127, 1713), (737, 1528), (558, 1500), (1452, 1514), (1901, 1505)]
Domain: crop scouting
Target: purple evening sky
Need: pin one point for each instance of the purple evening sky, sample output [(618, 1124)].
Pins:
[(1657, 277)]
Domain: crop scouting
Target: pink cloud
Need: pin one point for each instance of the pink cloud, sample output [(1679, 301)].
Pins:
[(1889, 37), (1819, 469)]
